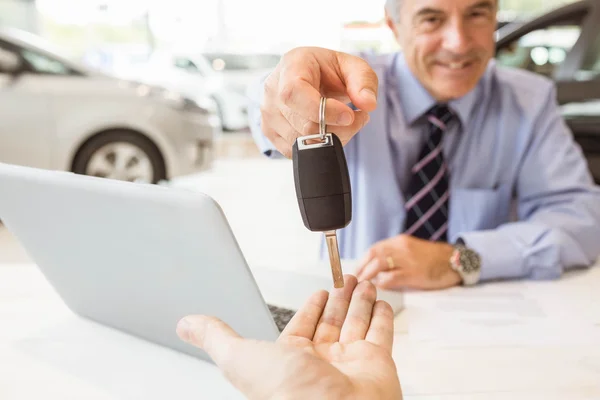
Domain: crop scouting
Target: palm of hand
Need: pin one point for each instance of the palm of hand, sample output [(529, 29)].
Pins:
[(356, 370), (339, 346)]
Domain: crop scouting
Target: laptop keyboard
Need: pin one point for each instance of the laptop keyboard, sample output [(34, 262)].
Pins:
[(281, 316)]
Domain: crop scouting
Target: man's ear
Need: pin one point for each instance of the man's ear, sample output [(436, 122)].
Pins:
[(391, 24)]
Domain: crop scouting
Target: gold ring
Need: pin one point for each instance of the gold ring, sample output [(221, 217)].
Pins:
[(390, 262)]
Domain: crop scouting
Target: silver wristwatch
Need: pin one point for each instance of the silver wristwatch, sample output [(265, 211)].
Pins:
[(467, 262)]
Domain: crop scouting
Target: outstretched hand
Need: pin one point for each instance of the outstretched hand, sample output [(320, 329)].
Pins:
[(337, 345)]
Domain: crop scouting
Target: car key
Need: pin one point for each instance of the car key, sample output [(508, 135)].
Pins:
[(323, 188)]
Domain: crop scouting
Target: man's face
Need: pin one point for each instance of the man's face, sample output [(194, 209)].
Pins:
[(447, 43)]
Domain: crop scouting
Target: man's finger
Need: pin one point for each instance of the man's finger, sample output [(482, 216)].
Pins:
[(304, 322), (283, 147), (300, 96), (375, 266), (334, 314), (210, 334), (345, 133), (361, 81), (359, 313), (369, 255), (284, 126), (271, 127), (393, 279), (381, 330), (371, 263), (301, 126)]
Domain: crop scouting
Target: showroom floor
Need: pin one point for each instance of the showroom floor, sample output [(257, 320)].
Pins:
[(257, 196)]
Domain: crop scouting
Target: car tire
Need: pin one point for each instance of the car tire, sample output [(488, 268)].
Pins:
[(90, 148)]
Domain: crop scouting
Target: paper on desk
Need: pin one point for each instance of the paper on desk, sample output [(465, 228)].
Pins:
[(495, 319)]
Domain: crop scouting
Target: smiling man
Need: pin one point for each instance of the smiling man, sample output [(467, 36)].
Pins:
[(461, 170)]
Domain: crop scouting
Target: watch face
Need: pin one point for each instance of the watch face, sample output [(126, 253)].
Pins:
[(470, 261)]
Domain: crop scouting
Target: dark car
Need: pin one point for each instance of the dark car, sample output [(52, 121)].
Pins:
[(564, 45)]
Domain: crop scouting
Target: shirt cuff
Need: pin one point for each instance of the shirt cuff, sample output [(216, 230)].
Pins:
[(500, 257)]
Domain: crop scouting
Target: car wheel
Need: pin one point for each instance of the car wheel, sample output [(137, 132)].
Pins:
[(122, 155)]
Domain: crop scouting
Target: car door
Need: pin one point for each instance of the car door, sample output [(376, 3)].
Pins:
[(26, 121)]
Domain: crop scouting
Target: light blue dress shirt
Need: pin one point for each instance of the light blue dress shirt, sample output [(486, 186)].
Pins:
[(520, 191)]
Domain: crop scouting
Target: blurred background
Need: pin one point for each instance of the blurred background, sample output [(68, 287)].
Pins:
[(155, 91)]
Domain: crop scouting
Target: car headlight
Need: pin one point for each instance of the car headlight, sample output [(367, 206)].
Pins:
[(183, 103), (207, 103), (190, 105)]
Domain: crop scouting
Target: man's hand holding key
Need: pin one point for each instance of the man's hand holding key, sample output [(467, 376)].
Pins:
[(308, 93), (290, 107)]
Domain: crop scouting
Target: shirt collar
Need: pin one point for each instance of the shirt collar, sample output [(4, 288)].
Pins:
[(416, 100)]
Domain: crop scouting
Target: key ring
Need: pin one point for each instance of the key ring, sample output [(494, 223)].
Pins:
[(324, 137), (322, 124)]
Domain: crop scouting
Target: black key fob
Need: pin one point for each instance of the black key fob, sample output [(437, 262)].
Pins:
[(322, 182)]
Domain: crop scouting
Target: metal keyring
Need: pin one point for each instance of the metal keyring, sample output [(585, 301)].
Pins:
[(322, 124)]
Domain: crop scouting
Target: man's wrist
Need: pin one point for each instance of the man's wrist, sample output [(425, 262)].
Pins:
[(445, 253), (442, 269)]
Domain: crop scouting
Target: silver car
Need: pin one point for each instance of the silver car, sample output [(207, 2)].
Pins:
[(57, 114)]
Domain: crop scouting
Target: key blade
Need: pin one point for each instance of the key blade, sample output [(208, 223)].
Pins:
[(334, 259)]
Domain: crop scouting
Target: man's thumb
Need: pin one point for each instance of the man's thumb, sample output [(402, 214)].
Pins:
[(361, 81), (208, 333), (235, 356)]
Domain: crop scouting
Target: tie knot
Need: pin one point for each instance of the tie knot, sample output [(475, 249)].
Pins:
[(440, 115)]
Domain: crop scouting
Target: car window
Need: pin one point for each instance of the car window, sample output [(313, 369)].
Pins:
[(188, 65), (185, 63), (541, 51), (44, 64)]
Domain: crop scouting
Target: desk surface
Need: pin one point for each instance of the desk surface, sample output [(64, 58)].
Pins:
[(515, 340)]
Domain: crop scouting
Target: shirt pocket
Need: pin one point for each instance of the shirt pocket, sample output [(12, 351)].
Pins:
[(478, 209)]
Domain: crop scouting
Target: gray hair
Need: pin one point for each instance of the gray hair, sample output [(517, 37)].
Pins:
[(393, 9)]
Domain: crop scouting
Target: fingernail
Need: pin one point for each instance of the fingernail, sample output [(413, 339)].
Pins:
[(183, 329), (368, 94), (344, 119)]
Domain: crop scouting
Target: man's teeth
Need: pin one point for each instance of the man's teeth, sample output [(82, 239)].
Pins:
[(456, 65)]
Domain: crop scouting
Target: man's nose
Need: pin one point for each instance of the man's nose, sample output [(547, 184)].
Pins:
[(457, 38)]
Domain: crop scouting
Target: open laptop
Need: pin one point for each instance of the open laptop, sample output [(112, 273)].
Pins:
[(138, 257)]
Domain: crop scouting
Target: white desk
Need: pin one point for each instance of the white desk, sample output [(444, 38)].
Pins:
[(517, 341)]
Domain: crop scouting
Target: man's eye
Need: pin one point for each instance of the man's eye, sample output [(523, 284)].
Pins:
[(479, 14)]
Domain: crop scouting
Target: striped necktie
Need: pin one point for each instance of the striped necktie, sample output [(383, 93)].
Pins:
[(428, 194)]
